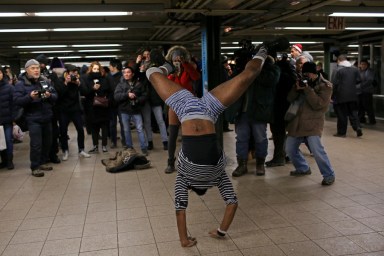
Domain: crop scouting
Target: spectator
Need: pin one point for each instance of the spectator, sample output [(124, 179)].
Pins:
[(345, 81), (6, 118), (69, 108), (130, 97), (34, 93), (307, 126), (98, 85), (367, 87)]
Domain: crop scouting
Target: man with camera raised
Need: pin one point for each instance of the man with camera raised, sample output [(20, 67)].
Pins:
[(35, 94), (70, 109), (313, 94)]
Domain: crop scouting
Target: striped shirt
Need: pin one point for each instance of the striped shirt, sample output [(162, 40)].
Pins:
[(201, 177), (187, 106)]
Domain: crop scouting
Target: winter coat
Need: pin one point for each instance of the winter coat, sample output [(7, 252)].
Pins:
[(126, 105), (114, 80), (187, 76), (309, 120), (6, 102), (69, 96), (345, 80), (257, 101), (367, 81), (39, 109), (96, 113)]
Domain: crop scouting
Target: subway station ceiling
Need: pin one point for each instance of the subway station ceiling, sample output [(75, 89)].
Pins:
[(153, 23)]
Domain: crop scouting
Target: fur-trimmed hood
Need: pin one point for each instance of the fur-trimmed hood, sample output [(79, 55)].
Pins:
[(178, 50)]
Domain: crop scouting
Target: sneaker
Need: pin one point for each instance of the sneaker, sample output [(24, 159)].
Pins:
[(339, 135), (65, 155), (45, 167), (54, 159), (94, 150), (158, 60), (37, 173), (104, 148), (328, 181), (300, 173), (82, 153), (274, 163), (359, 132)]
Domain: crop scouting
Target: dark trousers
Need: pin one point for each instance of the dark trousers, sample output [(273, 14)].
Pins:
[(96, 126), (366, 106), (114, 114), (40, 134), (55, 137), (77, 119), (278, 135), (343, 112)]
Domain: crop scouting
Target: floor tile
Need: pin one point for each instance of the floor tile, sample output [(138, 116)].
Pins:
[(101, 242), (302, 249), (31, 249), (58, 247), (370, 242), (339, 246), (285, 235)]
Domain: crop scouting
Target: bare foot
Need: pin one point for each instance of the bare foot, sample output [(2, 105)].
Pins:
[(213, 233), (191, 241)]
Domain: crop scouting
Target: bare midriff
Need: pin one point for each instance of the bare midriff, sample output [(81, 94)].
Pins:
[(195, 127)]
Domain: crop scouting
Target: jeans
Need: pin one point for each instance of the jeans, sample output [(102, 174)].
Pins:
[(114, 114), (158, 113), (8, 134), (77, 120), (243, 128), (40, 134), (126, 118), (292, 145)]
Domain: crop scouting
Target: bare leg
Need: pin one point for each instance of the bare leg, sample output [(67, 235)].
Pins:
[(163, 86), (229, 91), (182, 228), (229, 214)]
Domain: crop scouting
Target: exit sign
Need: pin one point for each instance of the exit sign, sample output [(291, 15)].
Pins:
[(335, 23)]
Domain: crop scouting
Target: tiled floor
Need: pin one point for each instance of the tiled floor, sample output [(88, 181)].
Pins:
[(79, 209)]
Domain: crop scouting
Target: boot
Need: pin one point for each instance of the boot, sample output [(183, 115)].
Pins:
[(241, 168), (10, 165), (165, 145), (4, 159), (171, 166), (260, 168), (150, 145)]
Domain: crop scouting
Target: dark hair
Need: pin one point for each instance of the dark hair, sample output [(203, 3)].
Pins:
[(130, 68), (365, 61), (116, 63), (199, 191)]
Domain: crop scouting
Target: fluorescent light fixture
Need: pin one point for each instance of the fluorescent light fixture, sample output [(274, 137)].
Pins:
[(100, 50), (316, 51), (12, 14), (230, 47), (102, 56), (39, 46), (96, 45), (257, 42), (227, 53), (81, 14), (51, 51), (354, 53), (364, 28), (353, 45), (67, 57), (308, 42), (357, 14), (303, 28), (22, 30), (86, 29)]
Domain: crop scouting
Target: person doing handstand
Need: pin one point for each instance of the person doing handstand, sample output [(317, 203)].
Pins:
[(201, 163)]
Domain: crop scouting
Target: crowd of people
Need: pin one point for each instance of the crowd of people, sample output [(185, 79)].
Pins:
[(159, 92)]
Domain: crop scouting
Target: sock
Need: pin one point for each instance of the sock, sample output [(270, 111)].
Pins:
[(172, 138), (152, 70), (167, 67), (262, 54)]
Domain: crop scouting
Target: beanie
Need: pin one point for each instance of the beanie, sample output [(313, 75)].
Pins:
[(42, 59), (309, 67), (31, 62), (70, 67), (298, 47)]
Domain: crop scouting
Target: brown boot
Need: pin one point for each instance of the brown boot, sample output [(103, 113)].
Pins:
[(260, 168), (241, 168)]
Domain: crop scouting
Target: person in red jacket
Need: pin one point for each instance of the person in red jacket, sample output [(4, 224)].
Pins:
[(185, 74)]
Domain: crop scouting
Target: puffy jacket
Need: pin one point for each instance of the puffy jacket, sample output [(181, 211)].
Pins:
[(309, 120), (6, 102), (39, 109), (69, 96), (127, 105)]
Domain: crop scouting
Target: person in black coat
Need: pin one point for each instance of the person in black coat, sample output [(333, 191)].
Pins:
[(97, 85), (6, 109), (35, 94)]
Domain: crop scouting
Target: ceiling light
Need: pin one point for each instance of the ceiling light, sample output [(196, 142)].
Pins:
[(356, 14), (96, 45), (12, 14), (22, 30), (308, 42), (39, 46), (102, 56), (86, 29), (304, 28), (81, 14), (364, 28), (67, 57), (230, 47), (51, 51), (100, 50)]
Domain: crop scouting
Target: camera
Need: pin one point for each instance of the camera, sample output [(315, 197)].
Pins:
[(44, 87), (303, 82), (73, 78)]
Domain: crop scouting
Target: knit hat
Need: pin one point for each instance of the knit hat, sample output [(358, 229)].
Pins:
[(42, 59), (309, 67), (298, 47), (31, 62), (70, 67)]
